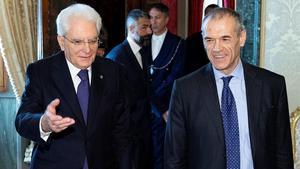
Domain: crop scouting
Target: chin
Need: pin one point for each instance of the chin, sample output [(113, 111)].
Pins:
[(219, 67)]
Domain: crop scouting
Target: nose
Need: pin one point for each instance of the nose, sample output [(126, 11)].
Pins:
[(149, 31), (86, 47), (152, 21), (216, 46)]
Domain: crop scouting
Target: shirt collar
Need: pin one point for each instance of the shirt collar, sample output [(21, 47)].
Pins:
[(74, 70), (133, 45), (238, 72), (160, 37)]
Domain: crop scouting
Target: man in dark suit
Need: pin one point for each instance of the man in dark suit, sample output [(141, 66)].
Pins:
[(198, 130), (77, 120), (195, 52), (167, 51), (130, 55)]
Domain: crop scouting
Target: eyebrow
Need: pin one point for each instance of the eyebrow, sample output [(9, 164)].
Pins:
[(225, 36)]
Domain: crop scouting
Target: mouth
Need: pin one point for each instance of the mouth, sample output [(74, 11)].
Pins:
[(153, 27), (219, 56), (84, 57)]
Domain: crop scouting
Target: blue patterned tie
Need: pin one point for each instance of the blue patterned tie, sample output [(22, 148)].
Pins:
[(231, 127), (83, 92), (83, 98)]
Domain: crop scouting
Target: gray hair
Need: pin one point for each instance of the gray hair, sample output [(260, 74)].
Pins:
[(219, 13), (134, 15), (77, 10)]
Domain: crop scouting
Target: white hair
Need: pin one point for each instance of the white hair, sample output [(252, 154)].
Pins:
[(77, 11)]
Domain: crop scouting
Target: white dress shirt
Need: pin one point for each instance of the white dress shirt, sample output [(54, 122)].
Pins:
[(76, 80), (156, 43), (135, 49), (237, 86)]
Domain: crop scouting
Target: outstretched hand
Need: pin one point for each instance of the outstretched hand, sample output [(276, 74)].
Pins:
[(51, 122)]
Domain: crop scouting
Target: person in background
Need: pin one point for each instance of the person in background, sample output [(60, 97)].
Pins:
[(101, 51), (65, 107), (167, 51), (102, 47), (196, 56), (131, 56), (228, 114)]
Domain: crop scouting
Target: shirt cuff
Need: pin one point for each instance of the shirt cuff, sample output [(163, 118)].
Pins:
[(43, 135)]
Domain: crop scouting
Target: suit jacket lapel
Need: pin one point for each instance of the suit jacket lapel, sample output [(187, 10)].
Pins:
[(145, 60), (253, 90), (131, 56), (63, 81), (212, 101), (96, 93)]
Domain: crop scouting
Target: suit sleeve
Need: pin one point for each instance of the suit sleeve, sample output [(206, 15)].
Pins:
[(176, 136), (113, 54), (284, 156), (31, 108)]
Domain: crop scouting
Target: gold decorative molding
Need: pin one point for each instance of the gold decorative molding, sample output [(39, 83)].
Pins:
[(294, 120), (262, 33), (3, 76)]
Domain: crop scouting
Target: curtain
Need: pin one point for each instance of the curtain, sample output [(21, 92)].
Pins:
[(229, 4), (18, 37), (195, 16), (172, 24), (3, 76)]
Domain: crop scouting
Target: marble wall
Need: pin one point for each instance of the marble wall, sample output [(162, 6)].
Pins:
[(9, 138), (12, 146), (282, 44), (250, 13)]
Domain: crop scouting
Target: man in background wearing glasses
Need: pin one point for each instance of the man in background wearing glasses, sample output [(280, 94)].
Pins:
[(74, 105)]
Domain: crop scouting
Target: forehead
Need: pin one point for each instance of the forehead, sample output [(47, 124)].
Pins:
[(220, 25), (155, 12), (143, 21), (82, 27)]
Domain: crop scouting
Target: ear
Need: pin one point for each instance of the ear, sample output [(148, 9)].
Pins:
[(243, 37), (167, 19), (131, 28), (61, 42)]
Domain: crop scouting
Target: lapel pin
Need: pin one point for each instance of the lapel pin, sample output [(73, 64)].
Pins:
[(151, 70)]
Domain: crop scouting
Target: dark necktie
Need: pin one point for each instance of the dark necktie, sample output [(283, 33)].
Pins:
[(83, 92), (83, 98), (231, 127)]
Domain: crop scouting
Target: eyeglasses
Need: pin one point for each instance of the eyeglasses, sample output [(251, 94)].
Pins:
[(77, 42)]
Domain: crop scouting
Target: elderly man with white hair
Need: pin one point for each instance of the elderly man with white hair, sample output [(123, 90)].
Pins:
[(74, 105)]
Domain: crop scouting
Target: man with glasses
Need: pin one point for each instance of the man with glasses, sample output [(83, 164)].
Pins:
[(74, 105)]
